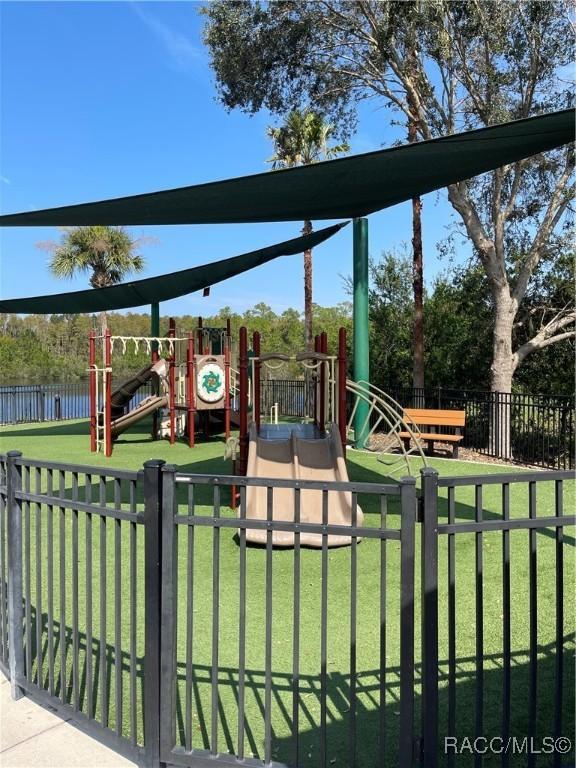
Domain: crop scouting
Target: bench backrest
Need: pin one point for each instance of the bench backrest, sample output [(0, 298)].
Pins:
[(437, 418)]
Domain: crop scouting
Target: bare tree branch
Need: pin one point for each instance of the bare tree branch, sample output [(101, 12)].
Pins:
[(540, 342), (518, 173), (483, 243), (559, 201)]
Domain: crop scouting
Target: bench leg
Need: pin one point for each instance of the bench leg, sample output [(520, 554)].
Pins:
[(430, 444), (455, 451)]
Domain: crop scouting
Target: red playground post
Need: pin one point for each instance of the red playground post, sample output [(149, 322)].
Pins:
[(200, 337), (92, 390), (342, 386), (256, 380), (243, 375), (107, 394), (190, 389)]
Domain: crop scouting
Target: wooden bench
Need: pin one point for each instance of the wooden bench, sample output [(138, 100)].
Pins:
[(434, 420)]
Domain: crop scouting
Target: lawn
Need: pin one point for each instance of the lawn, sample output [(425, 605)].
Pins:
[(68, 442)]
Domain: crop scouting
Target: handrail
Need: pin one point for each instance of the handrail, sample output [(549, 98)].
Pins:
[(382, 403)]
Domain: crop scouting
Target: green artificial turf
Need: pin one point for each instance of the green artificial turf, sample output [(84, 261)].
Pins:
[(68, 442)]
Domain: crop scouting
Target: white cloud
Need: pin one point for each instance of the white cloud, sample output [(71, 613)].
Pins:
[(183, 54)]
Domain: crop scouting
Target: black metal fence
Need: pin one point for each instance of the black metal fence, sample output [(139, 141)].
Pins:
[(294, 397), (4, 647), (133, 604), (518, 700), (74, 594), (50, 402), (264, 701), (533, 429)]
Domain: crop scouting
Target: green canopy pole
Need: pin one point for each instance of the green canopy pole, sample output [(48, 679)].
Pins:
[(361, 327)]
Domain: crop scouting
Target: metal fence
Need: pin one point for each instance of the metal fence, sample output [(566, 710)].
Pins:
[(4, 647), (294, 397), (50, 402), (133, 604), (73, 611), (533, 429), (282, 701), (519, 696)]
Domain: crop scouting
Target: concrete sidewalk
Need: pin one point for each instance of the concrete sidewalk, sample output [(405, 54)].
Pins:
[(33, 737)]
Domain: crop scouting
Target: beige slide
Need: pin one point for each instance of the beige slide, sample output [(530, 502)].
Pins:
[(296, 458), (145, 408)]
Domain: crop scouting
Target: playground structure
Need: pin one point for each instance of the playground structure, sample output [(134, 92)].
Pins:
[(191, 376), (200, 377), (336, 399), (314, 450)]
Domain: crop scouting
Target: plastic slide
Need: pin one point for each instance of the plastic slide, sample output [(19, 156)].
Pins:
[(143, 409), (297, 458), (122, 395)]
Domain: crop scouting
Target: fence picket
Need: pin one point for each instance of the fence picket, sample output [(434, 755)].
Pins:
[(15, 587)]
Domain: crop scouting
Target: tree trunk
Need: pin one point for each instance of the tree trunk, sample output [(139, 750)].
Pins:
[(502, 371), (308, 335), (100, 279), (418, 285), (417, 257)]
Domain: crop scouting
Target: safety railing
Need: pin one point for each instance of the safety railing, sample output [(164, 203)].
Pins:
[(74, 605), (262, 623), (503, 537), (138, 605)]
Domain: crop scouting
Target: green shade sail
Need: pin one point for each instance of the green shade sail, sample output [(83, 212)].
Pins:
[(349, 187), (155, 289)]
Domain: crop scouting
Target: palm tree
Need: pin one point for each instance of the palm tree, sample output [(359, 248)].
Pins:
[(109, 254), (303, 140)]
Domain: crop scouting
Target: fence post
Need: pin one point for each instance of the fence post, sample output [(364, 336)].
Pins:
[(15, 595), (429, 597), (168, 606), (408, 519), (152, 482)]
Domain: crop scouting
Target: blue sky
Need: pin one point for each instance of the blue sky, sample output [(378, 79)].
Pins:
[(108, 99)]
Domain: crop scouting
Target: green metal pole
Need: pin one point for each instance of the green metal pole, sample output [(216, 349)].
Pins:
[(361, 327)]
